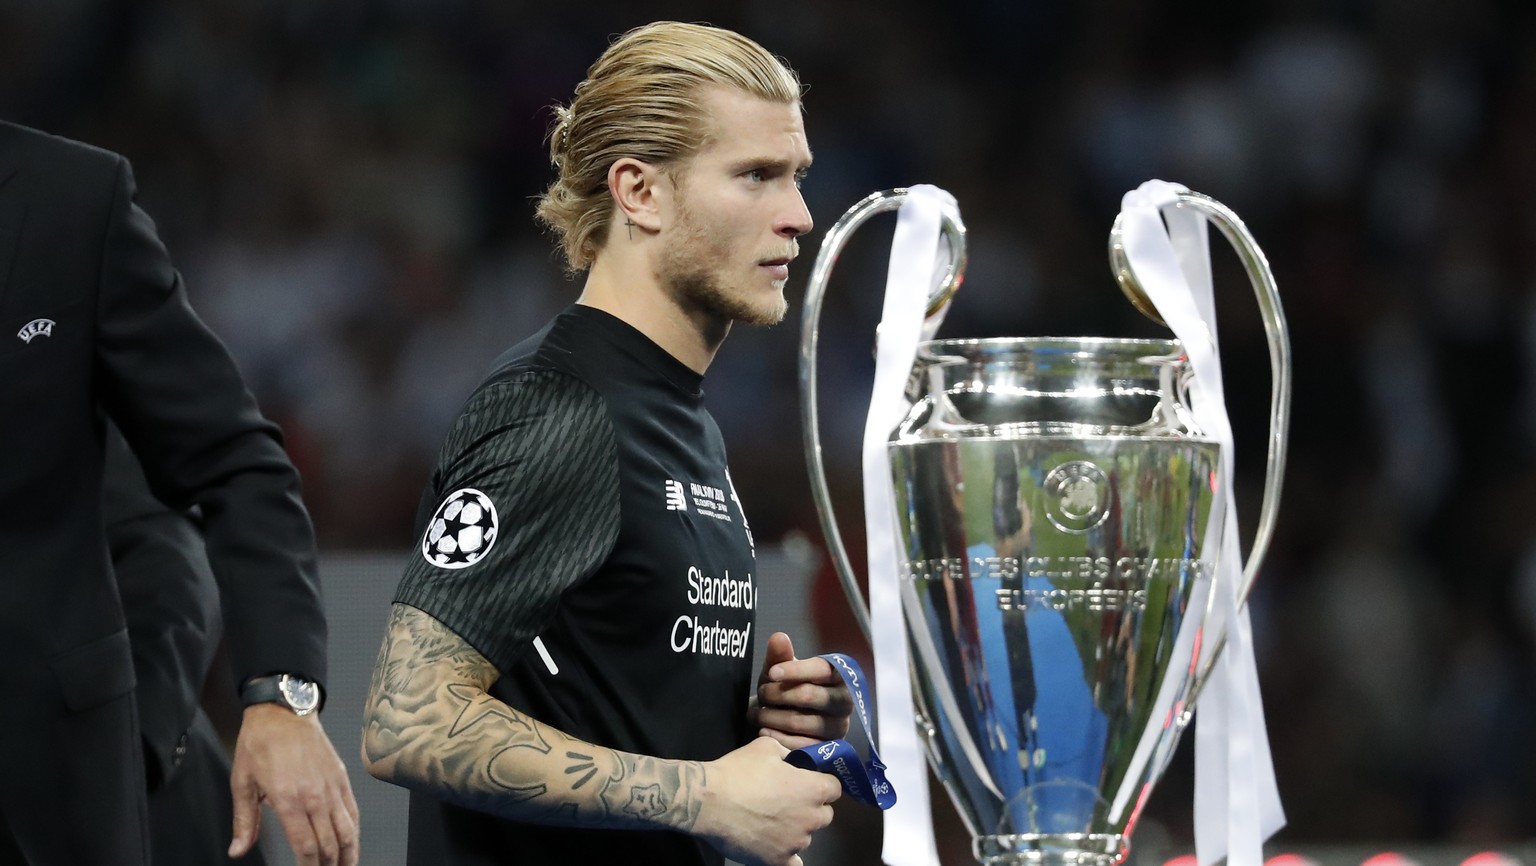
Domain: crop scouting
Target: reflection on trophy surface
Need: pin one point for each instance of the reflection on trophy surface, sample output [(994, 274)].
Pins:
[(1053, 499), (1052, 504)]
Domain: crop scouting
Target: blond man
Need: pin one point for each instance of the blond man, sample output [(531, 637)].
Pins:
[(566, 676)]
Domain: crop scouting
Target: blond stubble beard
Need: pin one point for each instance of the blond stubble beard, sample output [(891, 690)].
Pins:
[(687, 277)]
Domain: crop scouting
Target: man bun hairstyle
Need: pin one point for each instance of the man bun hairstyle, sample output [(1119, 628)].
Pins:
[(641, 100)]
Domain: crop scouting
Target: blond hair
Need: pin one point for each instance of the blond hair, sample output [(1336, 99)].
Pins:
[(640, 100)]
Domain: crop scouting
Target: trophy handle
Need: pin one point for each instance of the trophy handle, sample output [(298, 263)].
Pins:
[(1263, 280), (832, 246)]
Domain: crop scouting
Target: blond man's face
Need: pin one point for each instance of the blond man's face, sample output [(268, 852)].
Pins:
[(738, 210)]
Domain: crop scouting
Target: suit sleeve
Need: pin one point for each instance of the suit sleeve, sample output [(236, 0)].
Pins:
[(169, 599), (175, 392), (527, 506)]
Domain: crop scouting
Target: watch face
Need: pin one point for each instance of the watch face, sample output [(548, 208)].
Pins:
[(302, 695)]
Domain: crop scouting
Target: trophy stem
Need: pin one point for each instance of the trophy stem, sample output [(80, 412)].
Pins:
[(1057, 849)]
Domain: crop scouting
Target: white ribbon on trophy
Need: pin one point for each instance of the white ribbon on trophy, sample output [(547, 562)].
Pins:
[(1237, 803), (915, 259)]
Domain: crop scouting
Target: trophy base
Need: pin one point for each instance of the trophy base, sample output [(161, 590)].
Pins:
[(1051, 849)]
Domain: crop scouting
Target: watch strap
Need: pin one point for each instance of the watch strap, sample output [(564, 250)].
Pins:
[(261, 690), (268, 689)]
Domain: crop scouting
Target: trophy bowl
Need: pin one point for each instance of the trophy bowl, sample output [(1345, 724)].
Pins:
[(1053, 497)]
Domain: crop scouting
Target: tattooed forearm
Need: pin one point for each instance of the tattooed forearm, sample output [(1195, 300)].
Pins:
[(430, 724), (653, 788)]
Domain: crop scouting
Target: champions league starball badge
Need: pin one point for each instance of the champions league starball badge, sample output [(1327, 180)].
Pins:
[(462, 531)]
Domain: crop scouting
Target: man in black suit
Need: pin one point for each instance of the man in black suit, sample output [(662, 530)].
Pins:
[(172, 606), (94, 318)]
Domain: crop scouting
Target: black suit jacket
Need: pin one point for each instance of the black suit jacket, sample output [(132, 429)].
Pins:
[(93, 316), (172, 606), (170, 602)]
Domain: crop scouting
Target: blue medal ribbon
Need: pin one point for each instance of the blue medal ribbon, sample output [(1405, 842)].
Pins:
[(862, 780)]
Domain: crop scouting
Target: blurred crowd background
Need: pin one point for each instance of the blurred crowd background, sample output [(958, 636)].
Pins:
[(347, 187)]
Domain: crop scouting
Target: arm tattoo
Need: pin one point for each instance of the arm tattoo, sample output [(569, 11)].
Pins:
[(430, 724)]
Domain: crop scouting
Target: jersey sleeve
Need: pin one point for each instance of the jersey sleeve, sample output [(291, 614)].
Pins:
[(527, 506)]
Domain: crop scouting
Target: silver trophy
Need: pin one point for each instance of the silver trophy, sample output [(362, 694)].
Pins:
[(1053, 498)]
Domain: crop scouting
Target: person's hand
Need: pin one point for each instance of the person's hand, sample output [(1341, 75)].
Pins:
[(286, 761), (800, 702), (760, 811)]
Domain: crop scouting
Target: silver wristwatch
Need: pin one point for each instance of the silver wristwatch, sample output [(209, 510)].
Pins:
[(292, 691)]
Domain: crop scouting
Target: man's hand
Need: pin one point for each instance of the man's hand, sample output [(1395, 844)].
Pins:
[(800, 702), (287, 761), (761, 811)]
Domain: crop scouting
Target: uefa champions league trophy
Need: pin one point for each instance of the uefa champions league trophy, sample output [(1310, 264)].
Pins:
[(1055, 553)]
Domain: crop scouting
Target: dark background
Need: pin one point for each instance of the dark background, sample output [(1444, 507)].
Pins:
[(347, 187)]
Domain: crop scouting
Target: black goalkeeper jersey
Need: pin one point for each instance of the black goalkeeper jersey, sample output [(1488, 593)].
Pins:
[(582, 533)]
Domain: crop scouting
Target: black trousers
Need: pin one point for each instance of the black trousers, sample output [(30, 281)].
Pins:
[(190, 817), (10, 855)]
